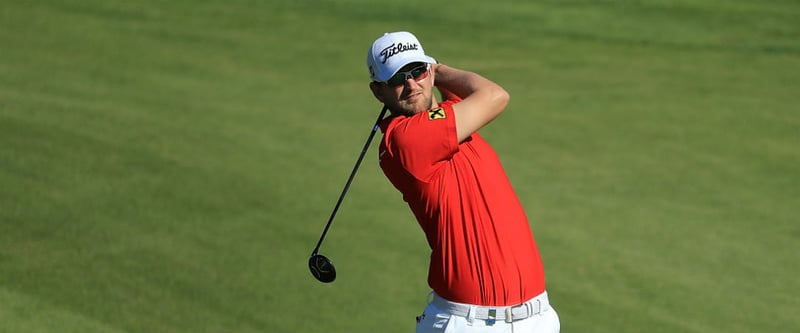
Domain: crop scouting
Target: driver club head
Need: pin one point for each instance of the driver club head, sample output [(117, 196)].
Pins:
[(322, 268)]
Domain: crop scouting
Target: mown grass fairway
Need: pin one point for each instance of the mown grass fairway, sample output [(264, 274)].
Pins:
[(167, 166)]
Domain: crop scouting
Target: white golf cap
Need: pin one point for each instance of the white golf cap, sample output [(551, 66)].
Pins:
[(391, 52)]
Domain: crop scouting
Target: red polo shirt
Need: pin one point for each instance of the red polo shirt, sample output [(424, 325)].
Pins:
[(482, 248)]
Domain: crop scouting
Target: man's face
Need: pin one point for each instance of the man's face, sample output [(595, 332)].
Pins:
[(409, 91)]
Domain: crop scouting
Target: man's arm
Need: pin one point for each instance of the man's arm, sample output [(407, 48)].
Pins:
[(483, 100)]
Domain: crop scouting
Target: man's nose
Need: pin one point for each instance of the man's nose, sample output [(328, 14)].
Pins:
[(410, 81)]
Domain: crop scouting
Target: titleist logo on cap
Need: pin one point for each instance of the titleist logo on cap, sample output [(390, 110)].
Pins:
[(395, 48)]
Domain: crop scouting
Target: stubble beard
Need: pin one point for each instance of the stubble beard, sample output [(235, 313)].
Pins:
[(407, 109)]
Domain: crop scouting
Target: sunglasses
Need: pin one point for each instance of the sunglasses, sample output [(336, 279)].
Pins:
[(417, 73)]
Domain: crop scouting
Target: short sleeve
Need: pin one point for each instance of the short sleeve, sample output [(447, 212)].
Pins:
[(423, 142)]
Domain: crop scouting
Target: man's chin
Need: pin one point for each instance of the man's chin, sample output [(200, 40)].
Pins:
[(419, 107), (412, 109), (407, 112)]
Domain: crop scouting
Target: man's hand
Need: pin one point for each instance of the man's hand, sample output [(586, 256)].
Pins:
[(446, 94)]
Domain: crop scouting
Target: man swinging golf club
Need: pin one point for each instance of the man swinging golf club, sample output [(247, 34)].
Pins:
[(485, 269)]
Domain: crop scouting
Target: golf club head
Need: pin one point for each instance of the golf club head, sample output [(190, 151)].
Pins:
[(322, 268)]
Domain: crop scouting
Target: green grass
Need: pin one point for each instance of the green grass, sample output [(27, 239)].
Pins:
[(167, 166)]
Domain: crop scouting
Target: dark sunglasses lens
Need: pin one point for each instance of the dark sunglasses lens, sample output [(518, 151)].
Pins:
[(397, 79), (417, 72), (400, 77)]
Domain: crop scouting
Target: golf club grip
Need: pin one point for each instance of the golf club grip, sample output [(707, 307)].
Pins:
[(350, 179)]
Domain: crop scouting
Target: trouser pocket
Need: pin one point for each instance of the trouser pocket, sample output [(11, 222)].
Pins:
[(432, 320)]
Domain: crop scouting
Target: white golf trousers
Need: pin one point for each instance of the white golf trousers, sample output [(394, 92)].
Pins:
[(442, 316)]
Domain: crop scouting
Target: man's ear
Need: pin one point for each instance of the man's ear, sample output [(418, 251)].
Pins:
[(376, 90)]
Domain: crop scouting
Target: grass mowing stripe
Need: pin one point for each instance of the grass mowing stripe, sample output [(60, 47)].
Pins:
[(168, 166)]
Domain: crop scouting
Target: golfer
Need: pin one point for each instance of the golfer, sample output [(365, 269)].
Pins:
[(485, 269)]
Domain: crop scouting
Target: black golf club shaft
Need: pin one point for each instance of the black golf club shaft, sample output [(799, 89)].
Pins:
[(350, 180)]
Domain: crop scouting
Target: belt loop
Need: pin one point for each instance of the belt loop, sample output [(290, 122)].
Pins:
[(471, 314), (429, 298)]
